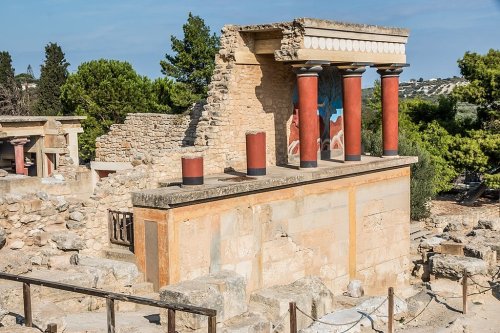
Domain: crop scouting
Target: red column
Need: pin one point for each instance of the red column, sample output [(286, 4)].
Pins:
[(351, 100), (18, 144), (390, 92), (256, 153), (192, 170), (307, 84)]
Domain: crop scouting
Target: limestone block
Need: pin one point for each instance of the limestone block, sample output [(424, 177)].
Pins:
[(450, 248), (124, 272), (450, 266), (481, 251), (16, 244), (309, 293), (29, 218), (68, 241), (223, 291)]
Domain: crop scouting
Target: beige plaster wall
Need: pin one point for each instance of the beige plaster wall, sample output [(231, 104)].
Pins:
[(356, 227)]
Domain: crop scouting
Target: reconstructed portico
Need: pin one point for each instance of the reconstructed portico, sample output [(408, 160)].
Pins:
[(311, 45)]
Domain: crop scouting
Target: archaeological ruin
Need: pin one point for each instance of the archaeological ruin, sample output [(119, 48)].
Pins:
[(259, 196)]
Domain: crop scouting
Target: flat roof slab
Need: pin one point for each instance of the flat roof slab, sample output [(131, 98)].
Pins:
[(223, 185)]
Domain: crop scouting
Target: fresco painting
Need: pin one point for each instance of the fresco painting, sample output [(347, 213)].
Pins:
[(330, 118)]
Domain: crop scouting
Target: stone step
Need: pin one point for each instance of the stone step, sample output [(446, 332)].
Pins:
[(120, 254)]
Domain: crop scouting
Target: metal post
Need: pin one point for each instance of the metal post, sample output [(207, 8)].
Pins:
[(464, 292), (28, 318), (293, 317), (171, 321), (110, 305), (212, 324), (390, 320)]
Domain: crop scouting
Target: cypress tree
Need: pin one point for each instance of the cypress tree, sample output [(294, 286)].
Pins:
[(6, 70), (53, 75)]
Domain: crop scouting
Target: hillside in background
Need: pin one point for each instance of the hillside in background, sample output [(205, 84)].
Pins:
[(430, 90)]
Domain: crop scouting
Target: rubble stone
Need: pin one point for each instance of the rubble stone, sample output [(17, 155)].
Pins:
[(3, 237), (68, 241), (450, 266), (491, 224), (355, 289), (3, 173)]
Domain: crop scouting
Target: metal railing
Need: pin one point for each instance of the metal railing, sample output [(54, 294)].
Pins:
[(121, 227), (110, 297)]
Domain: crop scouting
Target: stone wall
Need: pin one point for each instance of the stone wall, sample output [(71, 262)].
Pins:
[(147, 136), (335, 229)]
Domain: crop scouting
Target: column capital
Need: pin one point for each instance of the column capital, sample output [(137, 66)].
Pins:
[(388, 72), (352, 71), (307, 70), (19, 141)]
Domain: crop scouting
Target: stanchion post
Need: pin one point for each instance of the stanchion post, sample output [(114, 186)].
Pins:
[(212, 324), (293, 317), (110, 305), (171, 321), (390, 320), (464, 292), (28, 318)]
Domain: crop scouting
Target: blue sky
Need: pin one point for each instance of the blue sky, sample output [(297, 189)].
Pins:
[(139, 31)]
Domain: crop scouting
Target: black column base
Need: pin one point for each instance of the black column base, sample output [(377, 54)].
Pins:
[(352, 157), (390, 153), (308, 164), (256, 171), (192, 180)]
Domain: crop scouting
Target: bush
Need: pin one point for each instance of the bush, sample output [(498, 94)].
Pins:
[(422, 175)]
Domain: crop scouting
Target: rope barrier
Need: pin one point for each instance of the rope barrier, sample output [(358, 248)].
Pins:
[(353, 323), (275, 327)]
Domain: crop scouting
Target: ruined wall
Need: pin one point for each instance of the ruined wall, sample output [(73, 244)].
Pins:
[(147, 136), (335, 229)]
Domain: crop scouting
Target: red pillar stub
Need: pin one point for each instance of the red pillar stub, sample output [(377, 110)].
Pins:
[(192, 170), (351, 95), (390, 100), (18, 144), (256, 153), (307, 84)]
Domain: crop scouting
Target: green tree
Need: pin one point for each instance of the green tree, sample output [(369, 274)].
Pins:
[(105, 91), (483, 90), (193, 61), (6, 69), (8, 89), (53, 74)]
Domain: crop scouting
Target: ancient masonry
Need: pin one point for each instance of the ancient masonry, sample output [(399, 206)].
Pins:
[(323, 208)]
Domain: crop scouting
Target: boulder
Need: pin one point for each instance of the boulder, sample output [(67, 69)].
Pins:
[(309, 293), (222, 291), (3, 237), (67, 240), (3, 173), (451, 266), (491, 224), (355, 289), (76, 216)]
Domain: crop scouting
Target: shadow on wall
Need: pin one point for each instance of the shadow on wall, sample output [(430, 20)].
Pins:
[(194, 119), (275, 95)]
